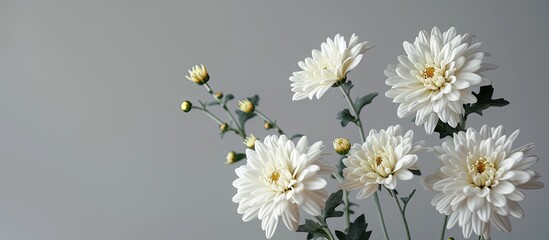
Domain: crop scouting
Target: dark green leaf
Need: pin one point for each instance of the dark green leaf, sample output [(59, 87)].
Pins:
[(333, 201), (347, 86), (243, 117), (360, 102), (228, 98), (340, 166), (357, 229), (484, 101), (345, 116), (406, 200), (254, 99), (340, 235), (296, 136), (415, 172), (313, 229), (444, 129)]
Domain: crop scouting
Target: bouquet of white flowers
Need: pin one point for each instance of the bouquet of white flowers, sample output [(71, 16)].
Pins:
[(478, 185)]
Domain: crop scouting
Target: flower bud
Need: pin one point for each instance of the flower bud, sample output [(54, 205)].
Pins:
[(198, 74), (342, 146), (224, 127), (268, 125), (250, 141), (246, 106), (218, 95), (186, 106), (231, 157)]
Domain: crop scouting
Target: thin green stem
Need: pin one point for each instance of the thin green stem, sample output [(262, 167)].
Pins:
[(363, 138), (402, 214), (345, 201), (280, 131), (444, 227), (327, 231), (240, 129), (214, 117), (380, 215)]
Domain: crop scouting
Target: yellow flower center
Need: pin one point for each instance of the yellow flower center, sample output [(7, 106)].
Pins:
[(482, 172), (274, 176), (429, 72), (480, 165), (378, 159)]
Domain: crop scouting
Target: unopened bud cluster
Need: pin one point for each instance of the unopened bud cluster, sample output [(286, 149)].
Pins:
[(342, 146), (198, 74)]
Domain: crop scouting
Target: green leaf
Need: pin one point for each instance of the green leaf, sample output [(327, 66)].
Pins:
[(340, 235), (347, 86), (340, 166), (357, 229), (254, 99), (313, 228), (228, 98), (345, 116), (406, 200), (243, 117), (333, 201), (444, 129), (484, 101), (415, 172), (360, 102)]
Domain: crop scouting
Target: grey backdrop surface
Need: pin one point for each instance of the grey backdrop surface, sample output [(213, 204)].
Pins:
[(93, 144)]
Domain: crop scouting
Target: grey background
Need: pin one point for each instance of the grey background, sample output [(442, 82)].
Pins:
[(93, 144)]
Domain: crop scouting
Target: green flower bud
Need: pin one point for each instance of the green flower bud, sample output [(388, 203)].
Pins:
[(186, 106), (224, 127), (267, 125), (231, 157), (218, 95), (342, 146), (246, 106)]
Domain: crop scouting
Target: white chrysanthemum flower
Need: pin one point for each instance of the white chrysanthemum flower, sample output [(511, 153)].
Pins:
[(478, 184), (278, 179), (384, 158), (434, 78), (327, 66)]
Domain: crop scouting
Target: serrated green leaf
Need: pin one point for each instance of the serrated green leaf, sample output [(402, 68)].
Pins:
[(333, 201), (357, 229), (415, 172), (360, 102), (484, 101), (243, 117), (444, 129), (406, 200), (313, 229), (345, 116)]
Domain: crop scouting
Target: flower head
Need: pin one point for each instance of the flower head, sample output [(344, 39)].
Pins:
[(384, 158), (246, 106), (186, 106), (434, 78), (279, 178), (342, 146), (480, 180), (327, 67), (250, 141), (198, 74)]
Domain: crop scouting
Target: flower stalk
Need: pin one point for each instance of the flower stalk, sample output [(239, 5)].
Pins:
[(240, 131), (268, 120), (363, 139), (402, 214)]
